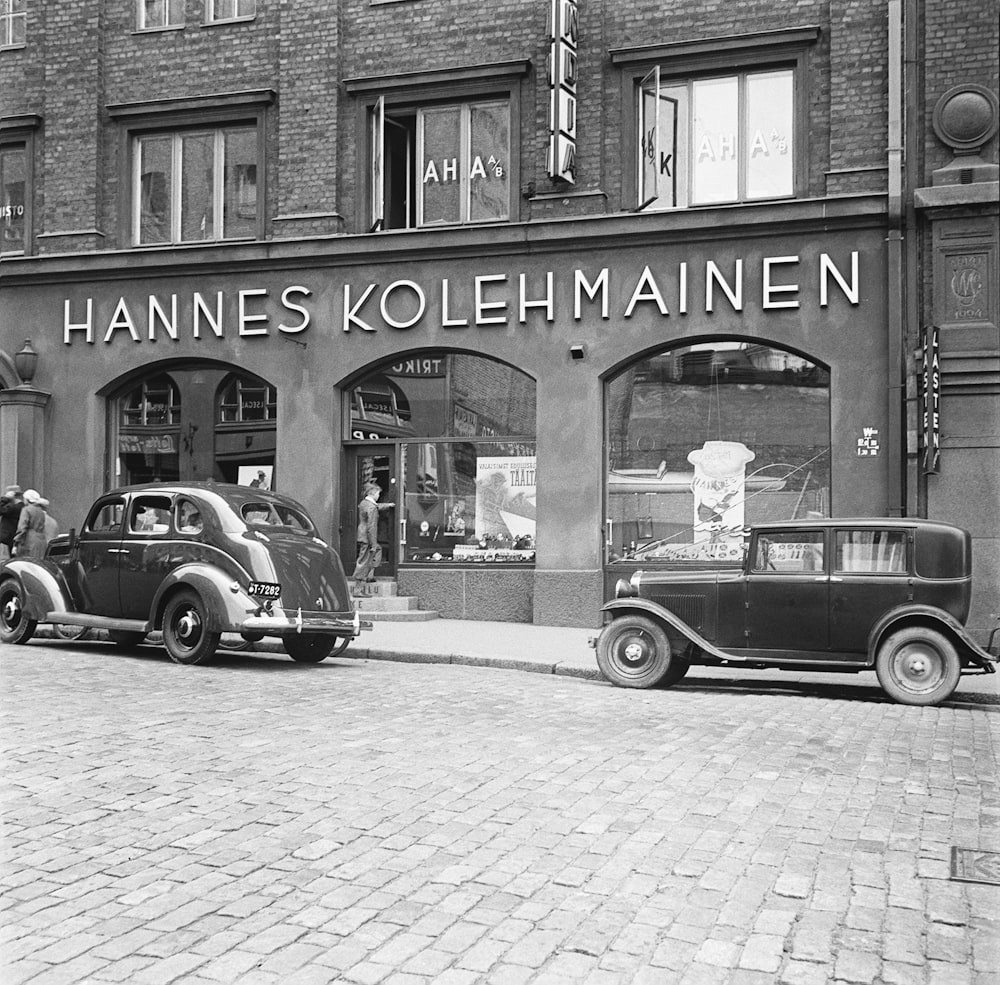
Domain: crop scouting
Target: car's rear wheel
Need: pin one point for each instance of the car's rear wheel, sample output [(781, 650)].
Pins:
[(918, 666), (633, 651), (15, 626), (186, 635), (342, 644), (309, 648), (127, 639)]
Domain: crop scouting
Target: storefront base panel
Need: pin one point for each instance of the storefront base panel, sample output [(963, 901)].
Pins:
[(469, 593), (568, 598)]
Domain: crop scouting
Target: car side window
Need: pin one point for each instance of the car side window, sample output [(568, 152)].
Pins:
[(149, 515), (789, 552), (106, 518), (871, 551), (187, 517)]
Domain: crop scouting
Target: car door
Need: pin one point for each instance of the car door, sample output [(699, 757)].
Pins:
[(145, 553), (93, 572), (787, 592), (870, 575)]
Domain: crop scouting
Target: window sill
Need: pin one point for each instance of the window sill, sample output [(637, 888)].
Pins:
[(158, 30), (230, 20)]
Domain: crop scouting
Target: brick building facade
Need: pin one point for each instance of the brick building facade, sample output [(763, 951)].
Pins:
[(331, 216)]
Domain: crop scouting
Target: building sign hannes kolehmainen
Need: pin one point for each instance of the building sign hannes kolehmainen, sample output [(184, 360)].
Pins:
[(482, 301)]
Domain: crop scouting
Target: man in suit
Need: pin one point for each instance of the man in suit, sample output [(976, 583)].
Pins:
[(369, 551)]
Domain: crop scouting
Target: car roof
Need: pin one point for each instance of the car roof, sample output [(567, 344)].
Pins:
[(227, 490), (864, 522)]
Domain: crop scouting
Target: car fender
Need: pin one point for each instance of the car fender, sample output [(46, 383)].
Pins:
[(43, 587), (226, 602), (663, 615), (923, 614)]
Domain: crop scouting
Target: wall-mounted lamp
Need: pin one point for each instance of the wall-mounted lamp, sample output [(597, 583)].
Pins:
[(25, 363), (577, 350)]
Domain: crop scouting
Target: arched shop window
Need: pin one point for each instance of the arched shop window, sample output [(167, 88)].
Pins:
[(705, 439), (196, 421), (149, 431), (465, 426), (246, 431)]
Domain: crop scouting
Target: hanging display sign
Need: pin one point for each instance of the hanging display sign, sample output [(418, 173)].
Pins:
[(719, 488), (564, 30), (932, 400)]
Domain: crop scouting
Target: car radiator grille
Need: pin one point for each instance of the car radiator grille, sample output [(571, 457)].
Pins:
[(690, 608)]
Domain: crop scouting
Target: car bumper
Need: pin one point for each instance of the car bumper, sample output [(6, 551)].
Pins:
[(318, 623)]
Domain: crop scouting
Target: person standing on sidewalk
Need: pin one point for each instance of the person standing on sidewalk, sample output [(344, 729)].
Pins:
[(33, 526), (369, 550), (11, 504)]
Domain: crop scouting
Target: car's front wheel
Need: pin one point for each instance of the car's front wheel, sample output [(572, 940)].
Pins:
[(309, 648), (918, 666), (186, 635), (633, 651), (15, 626)]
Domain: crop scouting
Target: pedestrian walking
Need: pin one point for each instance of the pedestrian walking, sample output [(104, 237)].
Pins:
[(33, 526), (369, 549), (11, 504)]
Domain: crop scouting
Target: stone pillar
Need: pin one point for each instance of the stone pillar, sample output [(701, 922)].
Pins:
[(962, 208), (22, 436)]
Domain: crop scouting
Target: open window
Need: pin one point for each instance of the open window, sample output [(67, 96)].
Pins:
[(440, 147), (718, 122)]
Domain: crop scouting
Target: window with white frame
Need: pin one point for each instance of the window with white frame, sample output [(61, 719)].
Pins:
[(13, 18), (153, 15), (195, 185), (716, 121), (716, 140), (440, 164), (13, 199), (229, 10)]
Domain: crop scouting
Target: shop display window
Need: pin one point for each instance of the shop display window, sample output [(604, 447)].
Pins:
[(469, 501), (464, 433), (707, 439), (198, 421)]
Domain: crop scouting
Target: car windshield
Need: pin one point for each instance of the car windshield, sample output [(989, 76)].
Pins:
[(260, 514)]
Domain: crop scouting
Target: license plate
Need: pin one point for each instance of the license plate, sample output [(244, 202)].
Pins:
[(265, 589)]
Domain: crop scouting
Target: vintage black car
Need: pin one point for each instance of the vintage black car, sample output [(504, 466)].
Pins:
[(883, 594), (194, 560)]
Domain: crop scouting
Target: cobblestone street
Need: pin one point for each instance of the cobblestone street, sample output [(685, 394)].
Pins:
[(257, 821)]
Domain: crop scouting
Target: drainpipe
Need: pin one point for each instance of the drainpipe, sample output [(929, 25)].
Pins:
[(895, 291)]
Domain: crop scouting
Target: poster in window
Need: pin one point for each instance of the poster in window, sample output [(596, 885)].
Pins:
[(256, 476), (505, 500), (719, 488)]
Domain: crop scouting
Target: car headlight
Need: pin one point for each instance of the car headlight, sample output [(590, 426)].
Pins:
[(624, 589)]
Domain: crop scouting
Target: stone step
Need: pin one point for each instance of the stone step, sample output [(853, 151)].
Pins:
[(378, 588), (386, 603), (399, 615)]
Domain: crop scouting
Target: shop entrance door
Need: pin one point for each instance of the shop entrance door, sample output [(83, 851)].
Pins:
[(363, 465)]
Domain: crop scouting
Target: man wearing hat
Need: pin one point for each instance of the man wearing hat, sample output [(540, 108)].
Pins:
[(11, 504), (32, 533)]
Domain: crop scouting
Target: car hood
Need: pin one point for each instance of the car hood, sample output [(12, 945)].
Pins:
[(309, 572)]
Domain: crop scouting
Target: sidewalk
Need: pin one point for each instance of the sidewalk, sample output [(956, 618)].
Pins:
[(564, 651)]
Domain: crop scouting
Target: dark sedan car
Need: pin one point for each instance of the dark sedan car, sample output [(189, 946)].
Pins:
[(194, 559), (883, 594)]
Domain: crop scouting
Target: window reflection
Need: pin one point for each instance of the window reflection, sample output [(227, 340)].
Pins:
[(707, 439)]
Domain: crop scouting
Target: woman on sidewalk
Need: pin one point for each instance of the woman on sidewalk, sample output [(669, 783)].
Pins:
[(32, 526)]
